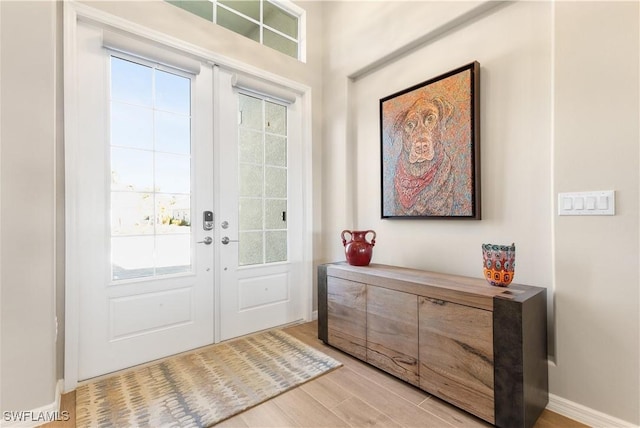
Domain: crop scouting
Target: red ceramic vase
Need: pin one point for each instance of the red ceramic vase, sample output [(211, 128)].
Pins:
[(358, 250)]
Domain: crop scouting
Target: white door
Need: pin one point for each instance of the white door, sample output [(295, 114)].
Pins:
[(260, 218), (141, 180)]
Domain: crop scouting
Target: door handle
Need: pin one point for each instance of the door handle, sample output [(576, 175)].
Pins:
[(226, 240), (207, 241)]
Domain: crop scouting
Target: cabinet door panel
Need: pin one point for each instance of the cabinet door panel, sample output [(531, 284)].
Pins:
[(456, 355), (392, 332), (347, 317)]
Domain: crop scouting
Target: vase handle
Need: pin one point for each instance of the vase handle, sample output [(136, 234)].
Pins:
[(373, 240), (344, 240)]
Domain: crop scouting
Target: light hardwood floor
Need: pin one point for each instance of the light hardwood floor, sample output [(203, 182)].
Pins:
[(355, 395)]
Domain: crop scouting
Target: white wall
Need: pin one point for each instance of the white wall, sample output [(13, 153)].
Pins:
[(28, 168), (597, 124), (543, 67), (515, 166)]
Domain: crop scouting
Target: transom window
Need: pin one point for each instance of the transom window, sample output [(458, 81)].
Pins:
[(277, 24)]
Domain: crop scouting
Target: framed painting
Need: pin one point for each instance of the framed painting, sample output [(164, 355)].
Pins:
[(430, 148)]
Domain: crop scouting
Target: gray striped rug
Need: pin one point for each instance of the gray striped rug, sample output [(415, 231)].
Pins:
[(204, 387)]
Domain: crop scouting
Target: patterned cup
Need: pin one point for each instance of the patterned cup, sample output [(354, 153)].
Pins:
[(499, 263)]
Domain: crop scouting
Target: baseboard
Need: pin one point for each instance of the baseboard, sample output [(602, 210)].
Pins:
[(33, 418), (314, 315), (59, 390), (584, 414)]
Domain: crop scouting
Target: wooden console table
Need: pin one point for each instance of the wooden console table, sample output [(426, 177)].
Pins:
[(479, 347)]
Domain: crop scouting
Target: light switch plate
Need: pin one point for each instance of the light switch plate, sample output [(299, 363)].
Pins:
[(587, 203)]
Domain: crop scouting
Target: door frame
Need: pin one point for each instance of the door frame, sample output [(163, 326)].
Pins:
[(73, 12)]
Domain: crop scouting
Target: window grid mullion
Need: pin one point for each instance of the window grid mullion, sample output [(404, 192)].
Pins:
[(261, 22), (264, 175), (153, 171)]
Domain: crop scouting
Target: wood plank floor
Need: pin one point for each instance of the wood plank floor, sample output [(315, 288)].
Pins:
[(355, 395)]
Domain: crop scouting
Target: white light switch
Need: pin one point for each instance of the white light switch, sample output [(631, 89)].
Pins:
[(587, 203), (603, 202), (578, 203)]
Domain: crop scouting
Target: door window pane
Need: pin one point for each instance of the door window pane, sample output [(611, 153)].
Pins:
[(250, 146), (250, 214), (276, 214), (251, 112), (275, 118), (251, 180), (173, 133), (173, 93), (173, 214), (131, 170), (276, 247), (131, 82), (250, 252), (131, 126), (132, 213), (132, 257), (262, 203), (173, 254), (172, 173), (275, 182), (275, 150), (150, 171)]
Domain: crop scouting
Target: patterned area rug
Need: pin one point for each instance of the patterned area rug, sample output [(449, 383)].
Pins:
[(204, 387)]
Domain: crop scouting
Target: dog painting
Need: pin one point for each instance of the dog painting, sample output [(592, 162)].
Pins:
[(430, 148)]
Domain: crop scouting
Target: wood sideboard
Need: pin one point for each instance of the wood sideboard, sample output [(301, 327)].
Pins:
[(479, 347)]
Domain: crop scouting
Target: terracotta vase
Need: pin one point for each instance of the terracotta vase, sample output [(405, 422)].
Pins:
[(358, 250), (499, 263)]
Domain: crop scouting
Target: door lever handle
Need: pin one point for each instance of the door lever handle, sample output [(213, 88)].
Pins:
[(207, 241), (226, 240)]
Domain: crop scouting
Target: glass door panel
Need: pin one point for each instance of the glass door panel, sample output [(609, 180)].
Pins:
[(263, 175), (150, 129)]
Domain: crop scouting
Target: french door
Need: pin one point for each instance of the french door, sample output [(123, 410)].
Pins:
[(260, 244), (143, 174), (184, 206)]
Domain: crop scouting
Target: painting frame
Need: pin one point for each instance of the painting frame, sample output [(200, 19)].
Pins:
[(430, 148)]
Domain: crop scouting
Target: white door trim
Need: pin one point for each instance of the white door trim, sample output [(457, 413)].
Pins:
[(73, 12)]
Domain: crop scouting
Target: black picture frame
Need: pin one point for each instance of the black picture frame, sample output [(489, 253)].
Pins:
[(430, 148)]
